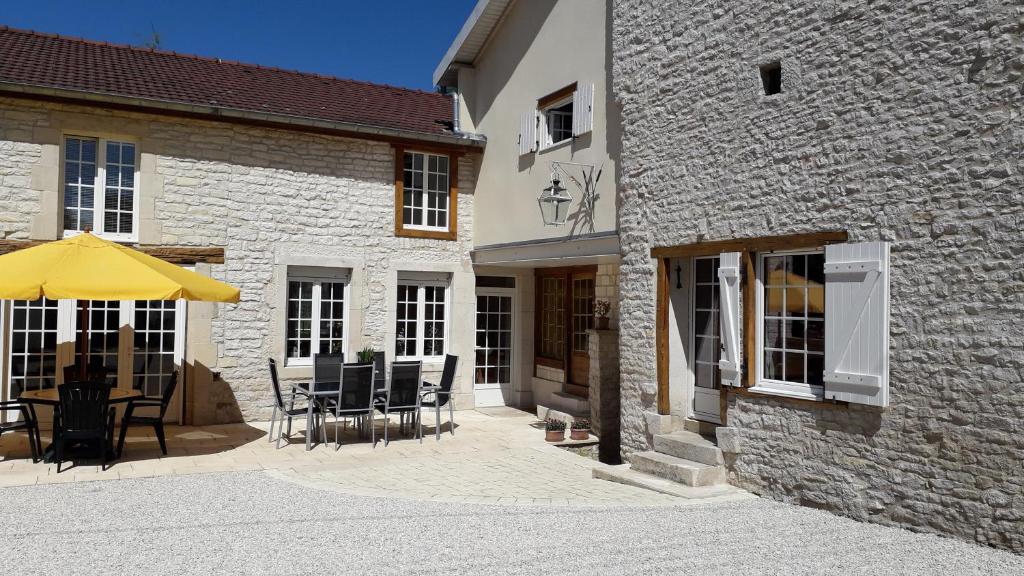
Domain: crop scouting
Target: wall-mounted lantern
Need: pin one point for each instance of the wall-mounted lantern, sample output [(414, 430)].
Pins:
[(554, 203)]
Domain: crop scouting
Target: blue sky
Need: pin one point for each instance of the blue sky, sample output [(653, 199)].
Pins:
[(391, 41)]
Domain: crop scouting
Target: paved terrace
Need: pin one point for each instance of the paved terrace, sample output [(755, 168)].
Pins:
[(496, 456)]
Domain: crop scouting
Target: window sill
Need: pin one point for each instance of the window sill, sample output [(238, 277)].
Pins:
[(555, 146), (121, 238), (429, 233), (812, 393)]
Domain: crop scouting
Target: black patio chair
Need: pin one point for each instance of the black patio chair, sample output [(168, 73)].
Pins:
[(443, 397), (380, 373), (288, 411), (27, 422), (130, 418), (403, 394), (84, 417), (355, 398)]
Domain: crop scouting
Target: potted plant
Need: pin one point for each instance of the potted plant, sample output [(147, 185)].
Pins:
[(580, 429), (366, 355), (601, 309), (554, 430)]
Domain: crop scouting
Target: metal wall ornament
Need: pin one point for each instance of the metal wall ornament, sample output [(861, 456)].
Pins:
[(555, 200)]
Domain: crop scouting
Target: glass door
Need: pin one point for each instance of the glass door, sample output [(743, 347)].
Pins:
[(492, 378), (706, 348)]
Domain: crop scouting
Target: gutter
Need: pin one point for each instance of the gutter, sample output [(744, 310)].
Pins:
[(285, 121)]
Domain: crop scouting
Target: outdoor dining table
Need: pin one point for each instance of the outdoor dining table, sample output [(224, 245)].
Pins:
[(50, 397), (330, 390)]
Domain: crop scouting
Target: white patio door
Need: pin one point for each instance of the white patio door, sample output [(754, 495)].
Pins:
[(705, 342), (492, 380)]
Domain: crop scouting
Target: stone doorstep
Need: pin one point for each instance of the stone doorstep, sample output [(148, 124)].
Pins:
[(689, 446), (568, 403), (677, 469), (624, 475), (545, 412)]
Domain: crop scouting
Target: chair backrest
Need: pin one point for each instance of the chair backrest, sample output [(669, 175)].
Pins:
[(169, 386), (83, 407), (356, 387), (380, 374), (277, 385), (405, 384), (94, 372), (327, 370), (451, 366)]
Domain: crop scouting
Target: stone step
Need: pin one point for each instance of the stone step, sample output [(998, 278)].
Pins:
[(689, 446), (546, 412), (677, 469), (569, 404), (624, 475)]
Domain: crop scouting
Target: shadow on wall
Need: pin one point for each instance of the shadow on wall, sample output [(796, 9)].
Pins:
[(208, 398)]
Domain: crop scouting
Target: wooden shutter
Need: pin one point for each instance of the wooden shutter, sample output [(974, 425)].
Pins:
[(583, 110), (730, 317), (857, 323), (527, 132)]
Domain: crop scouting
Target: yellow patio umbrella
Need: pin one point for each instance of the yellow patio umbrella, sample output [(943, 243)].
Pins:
[(85, 267)]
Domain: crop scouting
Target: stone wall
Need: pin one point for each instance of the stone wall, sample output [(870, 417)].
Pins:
[(270, 198), (898, 122)]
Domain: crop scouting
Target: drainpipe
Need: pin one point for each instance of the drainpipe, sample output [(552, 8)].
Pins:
[(456, 128)]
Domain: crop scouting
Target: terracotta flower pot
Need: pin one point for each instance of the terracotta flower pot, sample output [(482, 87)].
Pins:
[(602, 322), (579, 434), (554, 435)]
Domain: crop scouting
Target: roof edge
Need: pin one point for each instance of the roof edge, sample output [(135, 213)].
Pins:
[(283, 121), (471, 27)]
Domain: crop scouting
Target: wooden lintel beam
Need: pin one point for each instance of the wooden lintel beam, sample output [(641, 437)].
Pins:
[(759, 244), (172, 254)]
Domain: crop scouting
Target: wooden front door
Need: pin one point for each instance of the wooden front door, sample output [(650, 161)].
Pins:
[(565, 311)]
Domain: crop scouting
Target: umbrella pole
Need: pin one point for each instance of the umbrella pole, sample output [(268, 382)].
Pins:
[(83, 333)]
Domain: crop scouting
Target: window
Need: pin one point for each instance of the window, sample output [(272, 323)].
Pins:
[(33, 345), (582, 313), (426, 195), (100, 191), (552, 317), (771, 78), (558, 122), (791, 307), (421, 318), (315, 316)]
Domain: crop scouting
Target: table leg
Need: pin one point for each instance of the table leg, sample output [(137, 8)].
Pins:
[(309, 423), (437, 417)]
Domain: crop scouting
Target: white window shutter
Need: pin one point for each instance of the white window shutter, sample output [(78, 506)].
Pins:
[(527, 132), (857, 323), (730, 316), (583, 110)]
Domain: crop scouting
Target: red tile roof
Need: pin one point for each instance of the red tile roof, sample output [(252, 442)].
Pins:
[(45, 60)]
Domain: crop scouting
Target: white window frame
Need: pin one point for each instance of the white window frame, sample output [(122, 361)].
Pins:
[(338, 277), (545, 134), (424, 209), (100, 186), (762, 384), (420, 307)]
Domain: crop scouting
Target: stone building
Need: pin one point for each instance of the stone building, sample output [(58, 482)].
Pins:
[(344, 225), (821, 217)]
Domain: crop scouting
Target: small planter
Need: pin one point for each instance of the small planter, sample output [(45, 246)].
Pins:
[(554, 431), (602, 322), (601, 310), (580, 430)]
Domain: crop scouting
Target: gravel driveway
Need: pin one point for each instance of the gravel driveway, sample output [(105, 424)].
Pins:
[(252, 523)]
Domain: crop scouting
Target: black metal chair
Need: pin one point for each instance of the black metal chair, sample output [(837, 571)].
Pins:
[(28, 423), (443, 397), (84, 416), (380, 373), (355, 398), (94, 372), (288, 411), (403, 394), (130, 418)]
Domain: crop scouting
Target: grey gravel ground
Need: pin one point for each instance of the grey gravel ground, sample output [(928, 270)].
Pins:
[(252, 523)]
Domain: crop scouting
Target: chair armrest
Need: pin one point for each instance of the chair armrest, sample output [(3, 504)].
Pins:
[(146, 402)]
